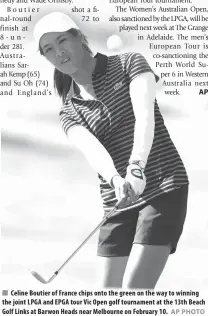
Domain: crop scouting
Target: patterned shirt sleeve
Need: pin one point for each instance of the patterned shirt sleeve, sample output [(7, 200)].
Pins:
[(67, 121), (136, 64)]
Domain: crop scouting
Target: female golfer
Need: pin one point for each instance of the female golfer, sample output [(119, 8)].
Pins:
[(120, 130)]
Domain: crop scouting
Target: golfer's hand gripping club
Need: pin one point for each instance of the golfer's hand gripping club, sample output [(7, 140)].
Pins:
[(123, 191), (137, 180)]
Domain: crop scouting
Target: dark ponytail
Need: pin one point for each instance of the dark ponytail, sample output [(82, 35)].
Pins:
[(62, 82)]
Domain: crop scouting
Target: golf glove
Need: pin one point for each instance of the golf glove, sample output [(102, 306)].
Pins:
[(136, 177)]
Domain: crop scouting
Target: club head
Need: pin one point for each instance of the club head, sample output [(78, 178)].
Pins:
[(39, 277)]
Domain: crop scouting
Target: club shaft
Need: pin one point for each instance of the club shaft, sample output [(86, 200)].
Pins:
[(88, 237)]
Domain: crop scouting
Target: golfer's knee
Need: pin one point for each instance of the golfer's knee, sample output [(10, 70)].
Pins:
[(111, 271), (145, 265)]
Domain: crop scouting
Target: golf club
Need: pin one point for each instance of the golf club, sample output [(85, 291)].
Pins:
[(42, 280)]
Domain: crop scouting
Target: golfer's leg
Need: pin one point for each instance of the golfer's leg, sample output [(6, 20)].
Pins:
[(114, 245), (110, 271), (145, 265)]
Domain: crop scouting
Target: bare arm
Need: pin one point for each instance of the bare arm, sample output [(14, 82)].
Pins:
[(142, 92), (100, 160), (94, 151)]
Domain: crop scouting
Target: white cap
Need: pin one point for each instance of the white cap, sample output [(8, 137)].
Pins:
[(53, 22)]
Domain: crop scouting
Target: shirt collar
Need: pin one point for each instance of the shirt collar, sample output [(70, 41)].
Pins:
[(101, 63), (100, 67)]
